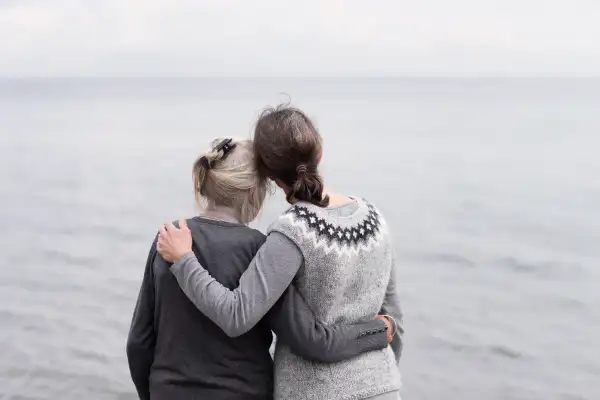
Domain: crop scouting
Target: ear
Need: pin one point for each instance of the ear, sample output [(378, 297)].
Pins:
[(319, 157)]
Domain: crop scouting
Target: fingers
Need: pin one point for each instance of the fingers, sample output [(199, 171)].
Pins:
[(388, 325), (162, 230), (183, 224), (170, 227), (163, 248), (160, 242)]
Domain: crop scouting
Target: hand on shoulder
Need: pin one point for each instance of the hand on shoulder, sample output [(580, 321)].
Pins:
[(174, 242)]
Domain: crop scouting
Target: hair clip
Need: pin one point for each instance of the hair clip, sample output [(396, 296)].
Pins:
[(225, 145)]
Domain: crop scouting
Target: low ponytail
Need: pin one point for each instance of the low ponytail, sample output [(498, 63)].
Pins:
[(203, 166), (287, 149), (226, 176), (308, 186)]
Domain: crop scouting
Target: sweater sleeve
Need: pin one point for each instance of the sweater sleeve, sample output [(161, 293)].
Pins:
[(391, 306), (142, 337), (295, 324), (261, 285)]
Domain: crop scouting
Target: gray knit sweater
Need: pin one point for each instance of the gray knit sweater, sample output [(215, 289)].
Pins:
[(347, 267), (340, 258)]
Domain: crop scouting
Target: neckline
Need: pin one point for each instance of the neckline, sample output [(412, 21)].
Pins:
[(360, 209), (346, 204), (219, 222)]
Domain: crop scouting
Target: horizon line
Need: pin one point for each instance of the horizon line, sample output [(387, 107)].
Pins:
[(262, 77)]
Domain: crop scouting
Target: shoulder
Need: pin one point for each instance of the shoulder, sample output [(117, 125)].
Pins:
[(256, 236), (191, 221), (294, 216), (249, 238), (243, 234), (378, 224), (373, 213), (292, 223)]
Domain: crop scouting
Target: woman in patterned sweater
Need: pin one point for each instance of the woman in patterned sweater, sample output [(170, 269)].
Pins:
[(336, 249)]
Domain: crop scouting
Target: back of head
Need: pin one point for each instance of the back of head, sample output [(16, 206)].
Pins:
[(229, 179), (287, 147)]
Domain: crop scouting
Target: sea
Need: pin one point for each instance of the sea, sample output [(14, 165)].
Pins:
[(490, 186)]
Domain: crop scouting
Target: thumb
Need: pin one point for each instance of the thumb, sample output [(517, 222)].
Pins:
[(183, 224)]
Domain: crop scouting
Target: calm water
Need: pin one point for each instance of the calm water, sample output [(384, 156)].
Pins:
[(492, 189)]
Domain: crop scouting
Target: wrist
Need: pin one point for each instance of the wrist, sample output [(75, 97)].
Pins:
[(389, 330), (183, 256)]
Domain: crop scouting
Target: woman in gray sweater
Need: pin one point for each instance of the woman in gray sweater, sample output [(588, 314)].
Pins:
[(336, 249)]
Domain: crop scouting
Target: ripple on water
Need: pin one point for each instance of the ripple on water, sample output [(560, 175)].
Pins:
[(504, 351), (89, 355), (554, 269), (118, 234), (462, 347), (57, 256), (46, 383), (445, 258), (572, 396)]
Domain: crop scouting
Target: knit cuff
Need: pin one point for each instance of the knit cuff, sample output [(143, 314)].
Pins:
[(374, 338)]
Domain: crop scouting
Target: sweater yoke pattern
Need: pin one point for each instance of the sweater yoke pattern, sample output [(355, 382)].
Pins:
[(330, 236)]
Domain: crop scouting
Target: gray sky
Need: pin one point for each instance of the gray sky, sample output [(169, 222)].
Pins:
[(299, 38)]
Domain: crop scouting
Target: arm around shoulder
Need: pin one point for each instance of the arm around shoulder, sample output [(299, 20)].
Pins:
[(239, 310)]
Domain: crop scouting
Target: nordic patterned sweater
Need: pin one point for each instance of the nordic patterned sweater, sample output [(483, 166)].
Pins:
[(347, 267), (341, 261)]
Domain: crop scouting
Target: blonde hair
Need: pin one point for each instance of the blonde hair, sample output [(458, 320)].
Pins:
[(231, 180)]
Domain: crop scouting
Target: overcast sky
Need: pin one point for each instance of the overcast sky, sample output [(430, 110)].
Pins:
[(299, 38)]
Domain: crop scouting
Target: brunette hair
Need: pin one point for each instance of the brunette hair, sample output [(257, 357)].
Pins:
[(287, 146)]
